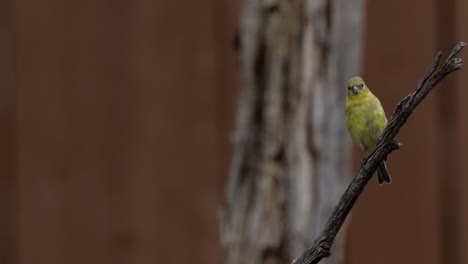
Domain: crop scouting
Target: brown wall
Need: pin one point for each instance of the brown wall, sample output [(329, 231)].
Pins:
[(123, 113), (8, 103), (116, 118)]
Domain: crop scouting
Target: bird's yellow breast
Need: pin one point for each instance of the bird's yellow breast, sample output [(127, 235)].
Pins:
[(365, 118)]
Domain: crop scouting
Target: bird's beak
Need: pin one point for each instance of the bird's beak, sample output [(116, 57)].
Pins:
[(355, 89)]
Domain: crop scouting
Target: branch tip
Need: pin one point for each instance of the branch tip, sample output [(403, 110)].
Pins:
[(455, 51), (458, 64)]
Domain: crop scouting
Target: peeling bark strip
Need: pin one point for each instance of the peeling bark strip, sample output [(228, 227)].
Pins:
[(385, 145), (291, 152)]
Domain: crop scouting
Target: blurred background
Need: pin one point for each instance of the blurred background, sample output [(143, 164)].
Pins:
[(117, 117)]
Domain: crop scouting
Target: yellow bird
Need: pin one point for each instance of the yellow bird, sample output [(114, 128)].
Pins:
[(366, 120)]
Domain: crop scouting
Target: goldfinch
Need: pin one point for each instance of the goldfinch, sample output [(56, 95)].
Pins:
[(366, 120)]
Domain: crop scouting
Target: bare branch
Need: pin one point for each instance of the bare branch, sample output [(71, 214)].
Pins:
[(386, 144)]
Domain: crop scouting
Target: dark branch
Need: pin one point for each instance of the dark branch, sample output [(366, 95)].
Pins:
[(386, 144)]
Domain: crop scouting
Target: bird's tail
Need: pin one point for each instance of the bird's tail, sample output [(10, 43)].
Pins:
[(383, 175)]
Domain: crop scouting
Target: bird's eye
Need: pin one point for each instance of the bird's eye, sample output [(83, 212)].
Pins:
[(361, 85), (349, 87)]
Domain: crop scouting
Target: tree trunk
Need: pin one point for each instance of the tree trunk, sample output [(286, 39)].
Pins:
[(291, 147)]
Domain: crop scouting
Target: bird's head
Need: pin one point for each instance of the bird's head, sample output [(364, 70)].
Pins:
[(356, 85)]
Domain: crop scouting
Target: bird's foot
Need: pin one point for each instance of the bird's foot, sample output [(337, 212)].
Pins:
[(364, 160)]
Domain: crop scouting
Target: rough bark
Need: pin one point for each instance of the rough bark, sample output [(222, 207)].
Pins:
[(290, 159)]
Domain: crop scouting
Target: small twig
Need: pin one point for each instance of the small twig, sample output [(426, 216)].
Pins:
[(386, 144)]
